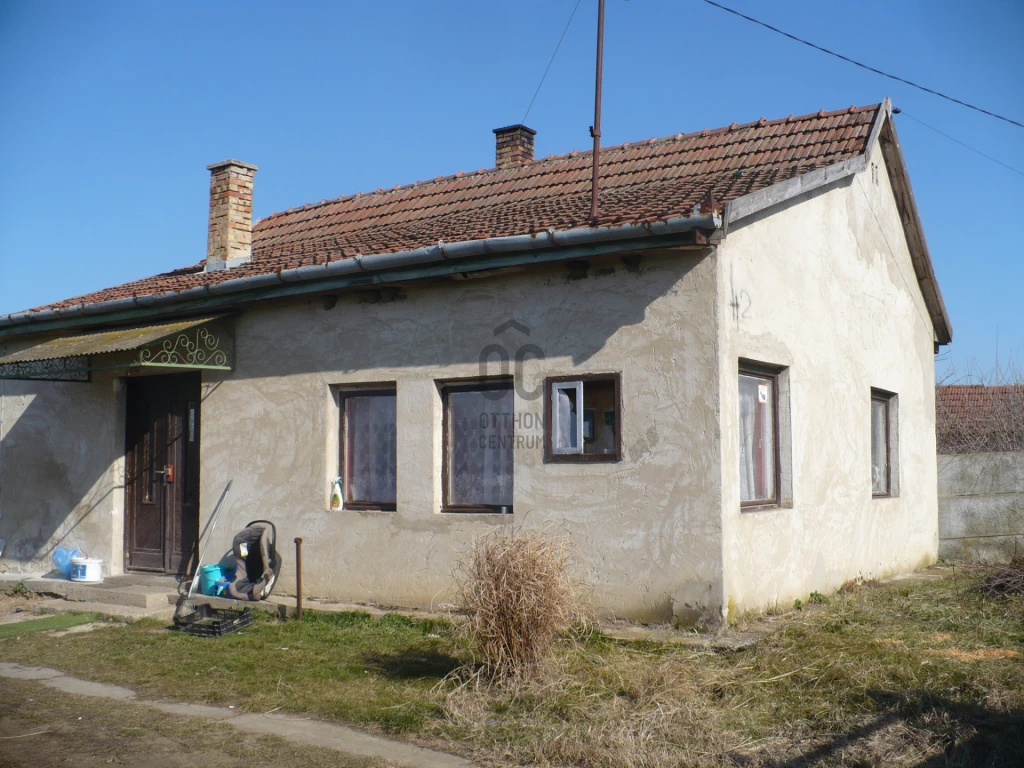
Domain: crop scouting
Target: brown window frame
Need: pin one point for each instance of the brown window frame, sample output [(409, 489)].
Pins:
[(550, 456), (469, 385), (344, 470), (766, 372), (880, 396)]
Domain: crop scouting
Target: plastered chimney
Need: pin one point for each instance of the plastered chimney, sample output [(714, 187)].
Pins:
[(229, 242)]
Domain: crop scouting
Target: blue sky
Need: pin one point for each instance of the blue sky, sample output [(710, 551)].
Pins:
[(110, 111)]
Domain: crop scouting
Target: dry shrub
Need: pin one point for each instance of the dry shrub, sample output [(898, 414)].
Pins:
[(1003, 580), (516, 588)]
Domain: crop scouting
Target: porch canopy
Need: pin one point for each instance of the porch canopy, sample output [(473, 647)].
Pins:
[(197, 344)]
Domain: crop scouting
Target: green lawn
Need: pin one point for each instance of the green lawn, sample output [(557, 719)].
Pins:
[(881, 675), (61, 621)]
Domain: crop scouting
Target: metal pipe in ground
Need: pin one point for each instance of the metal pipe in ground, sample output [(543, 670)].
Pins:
[(298, 578)]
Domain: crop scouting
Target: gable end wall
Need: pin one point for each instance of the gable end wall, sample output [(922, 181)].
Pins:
[(824, 285)]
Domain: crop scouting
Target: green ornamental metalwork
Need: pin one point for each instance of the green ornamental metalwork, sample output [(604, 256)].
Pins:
[(197, 349), (203, 343), (62, 369)]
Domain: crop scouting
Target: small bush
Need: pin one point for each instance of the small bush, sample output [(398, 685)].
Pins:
[(515, 586)]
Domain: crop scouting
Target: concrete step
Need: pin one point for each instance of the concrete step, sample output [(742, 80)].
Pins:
[(120, 612), (47, 586), (133, 596)]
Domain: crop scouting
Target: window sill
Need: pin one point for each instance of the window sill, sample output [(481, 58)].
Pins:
[(582, 458), (759, 506), (467, 510), (384, 508)]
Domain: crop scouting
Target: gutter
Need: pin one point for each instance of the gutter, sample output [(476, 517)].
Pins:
[(375, 269)]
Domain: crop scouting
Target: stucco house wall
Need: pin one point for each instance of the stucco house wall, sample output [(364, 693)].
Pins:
[(825, 287), (62, 472), (646, 529)]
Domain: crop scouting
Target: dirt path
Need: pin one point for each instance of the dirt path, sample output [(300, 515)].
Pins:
[(50, 719), (17, 607)]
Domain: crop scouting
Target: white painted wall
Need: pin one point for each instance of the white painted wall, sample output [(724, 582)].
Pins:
[(62, 465), (825, 287)]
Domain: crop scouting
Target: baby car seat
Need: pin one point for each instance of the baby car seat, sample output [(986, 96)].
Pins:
[(257, 562)]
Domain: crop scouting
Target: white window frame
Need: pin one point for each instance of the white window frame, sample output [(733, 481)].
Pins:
[(556, 447)]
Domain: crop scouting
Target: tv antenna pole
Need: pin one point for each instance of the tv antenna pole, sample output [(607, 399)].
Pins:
[(595, 129)]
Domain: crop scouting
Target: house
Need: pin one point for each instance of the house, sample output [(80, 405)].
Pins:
[(721, 389)]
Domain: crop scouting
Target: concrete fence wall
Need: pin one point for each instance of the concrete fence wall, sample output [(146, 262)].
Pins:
[(981, 506)]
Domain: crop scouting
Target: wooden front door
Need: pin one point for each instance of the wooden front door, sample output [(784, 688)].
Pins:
[(162, 472)]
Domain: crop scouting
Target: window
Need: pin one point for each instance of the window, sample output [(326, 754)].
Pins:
[(368, 449), (759, 430), (883, 442), (478, 443), (583, 418)]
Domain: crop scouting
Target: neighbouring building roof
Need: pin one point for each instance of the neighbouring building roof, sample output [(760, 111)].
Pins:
[(973, 418), (656, 180)]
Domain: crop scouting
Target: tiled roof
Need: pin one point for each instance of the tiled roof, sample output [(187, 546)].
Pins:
[(971, 418), (640, 182)]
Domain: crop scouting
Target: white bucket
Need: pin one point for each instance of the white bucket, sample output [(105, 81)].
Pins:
[(86, 569)]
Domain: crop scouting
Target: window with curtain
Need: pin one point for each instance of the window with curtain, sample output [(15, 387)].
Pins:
[(881, 473), (758, 412), (583, 418), (368, 449), (480, 435)]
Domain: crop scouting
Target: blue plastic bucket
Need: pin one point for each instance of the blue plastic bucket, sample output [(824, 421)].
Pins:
[(209, 575)]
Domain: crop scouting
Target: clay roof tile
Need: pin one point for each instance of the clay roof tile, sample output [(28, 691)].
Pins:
[(640, 182)]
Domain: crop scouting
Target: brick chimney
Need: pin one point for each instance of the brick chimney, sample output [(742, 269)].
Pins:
[(513, 146), (229, 243)]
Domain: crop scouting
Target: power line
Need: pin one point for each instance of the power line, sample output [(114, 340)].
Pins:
[(957, 141), (548, 69), (865, 66)]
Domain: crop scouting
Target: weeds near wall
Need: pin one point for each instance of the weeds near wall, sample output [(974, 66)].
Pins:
[(518, 593)]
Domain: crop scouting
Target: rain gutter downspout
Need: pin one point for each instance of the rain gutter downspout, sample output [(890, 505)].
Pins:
[(443, 258)]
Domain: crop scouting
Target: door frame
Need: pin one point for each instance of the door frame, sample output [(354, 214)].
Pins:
[(180, 403)]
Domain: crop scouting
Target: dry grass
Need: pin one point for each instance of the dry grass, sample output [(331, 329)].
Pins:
[(895, 675), (879, 676), (516, 588)]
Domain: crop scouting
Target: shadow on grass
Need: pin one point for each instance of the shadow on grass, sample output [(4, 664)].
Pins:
[(413, 664), (974, 735)]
